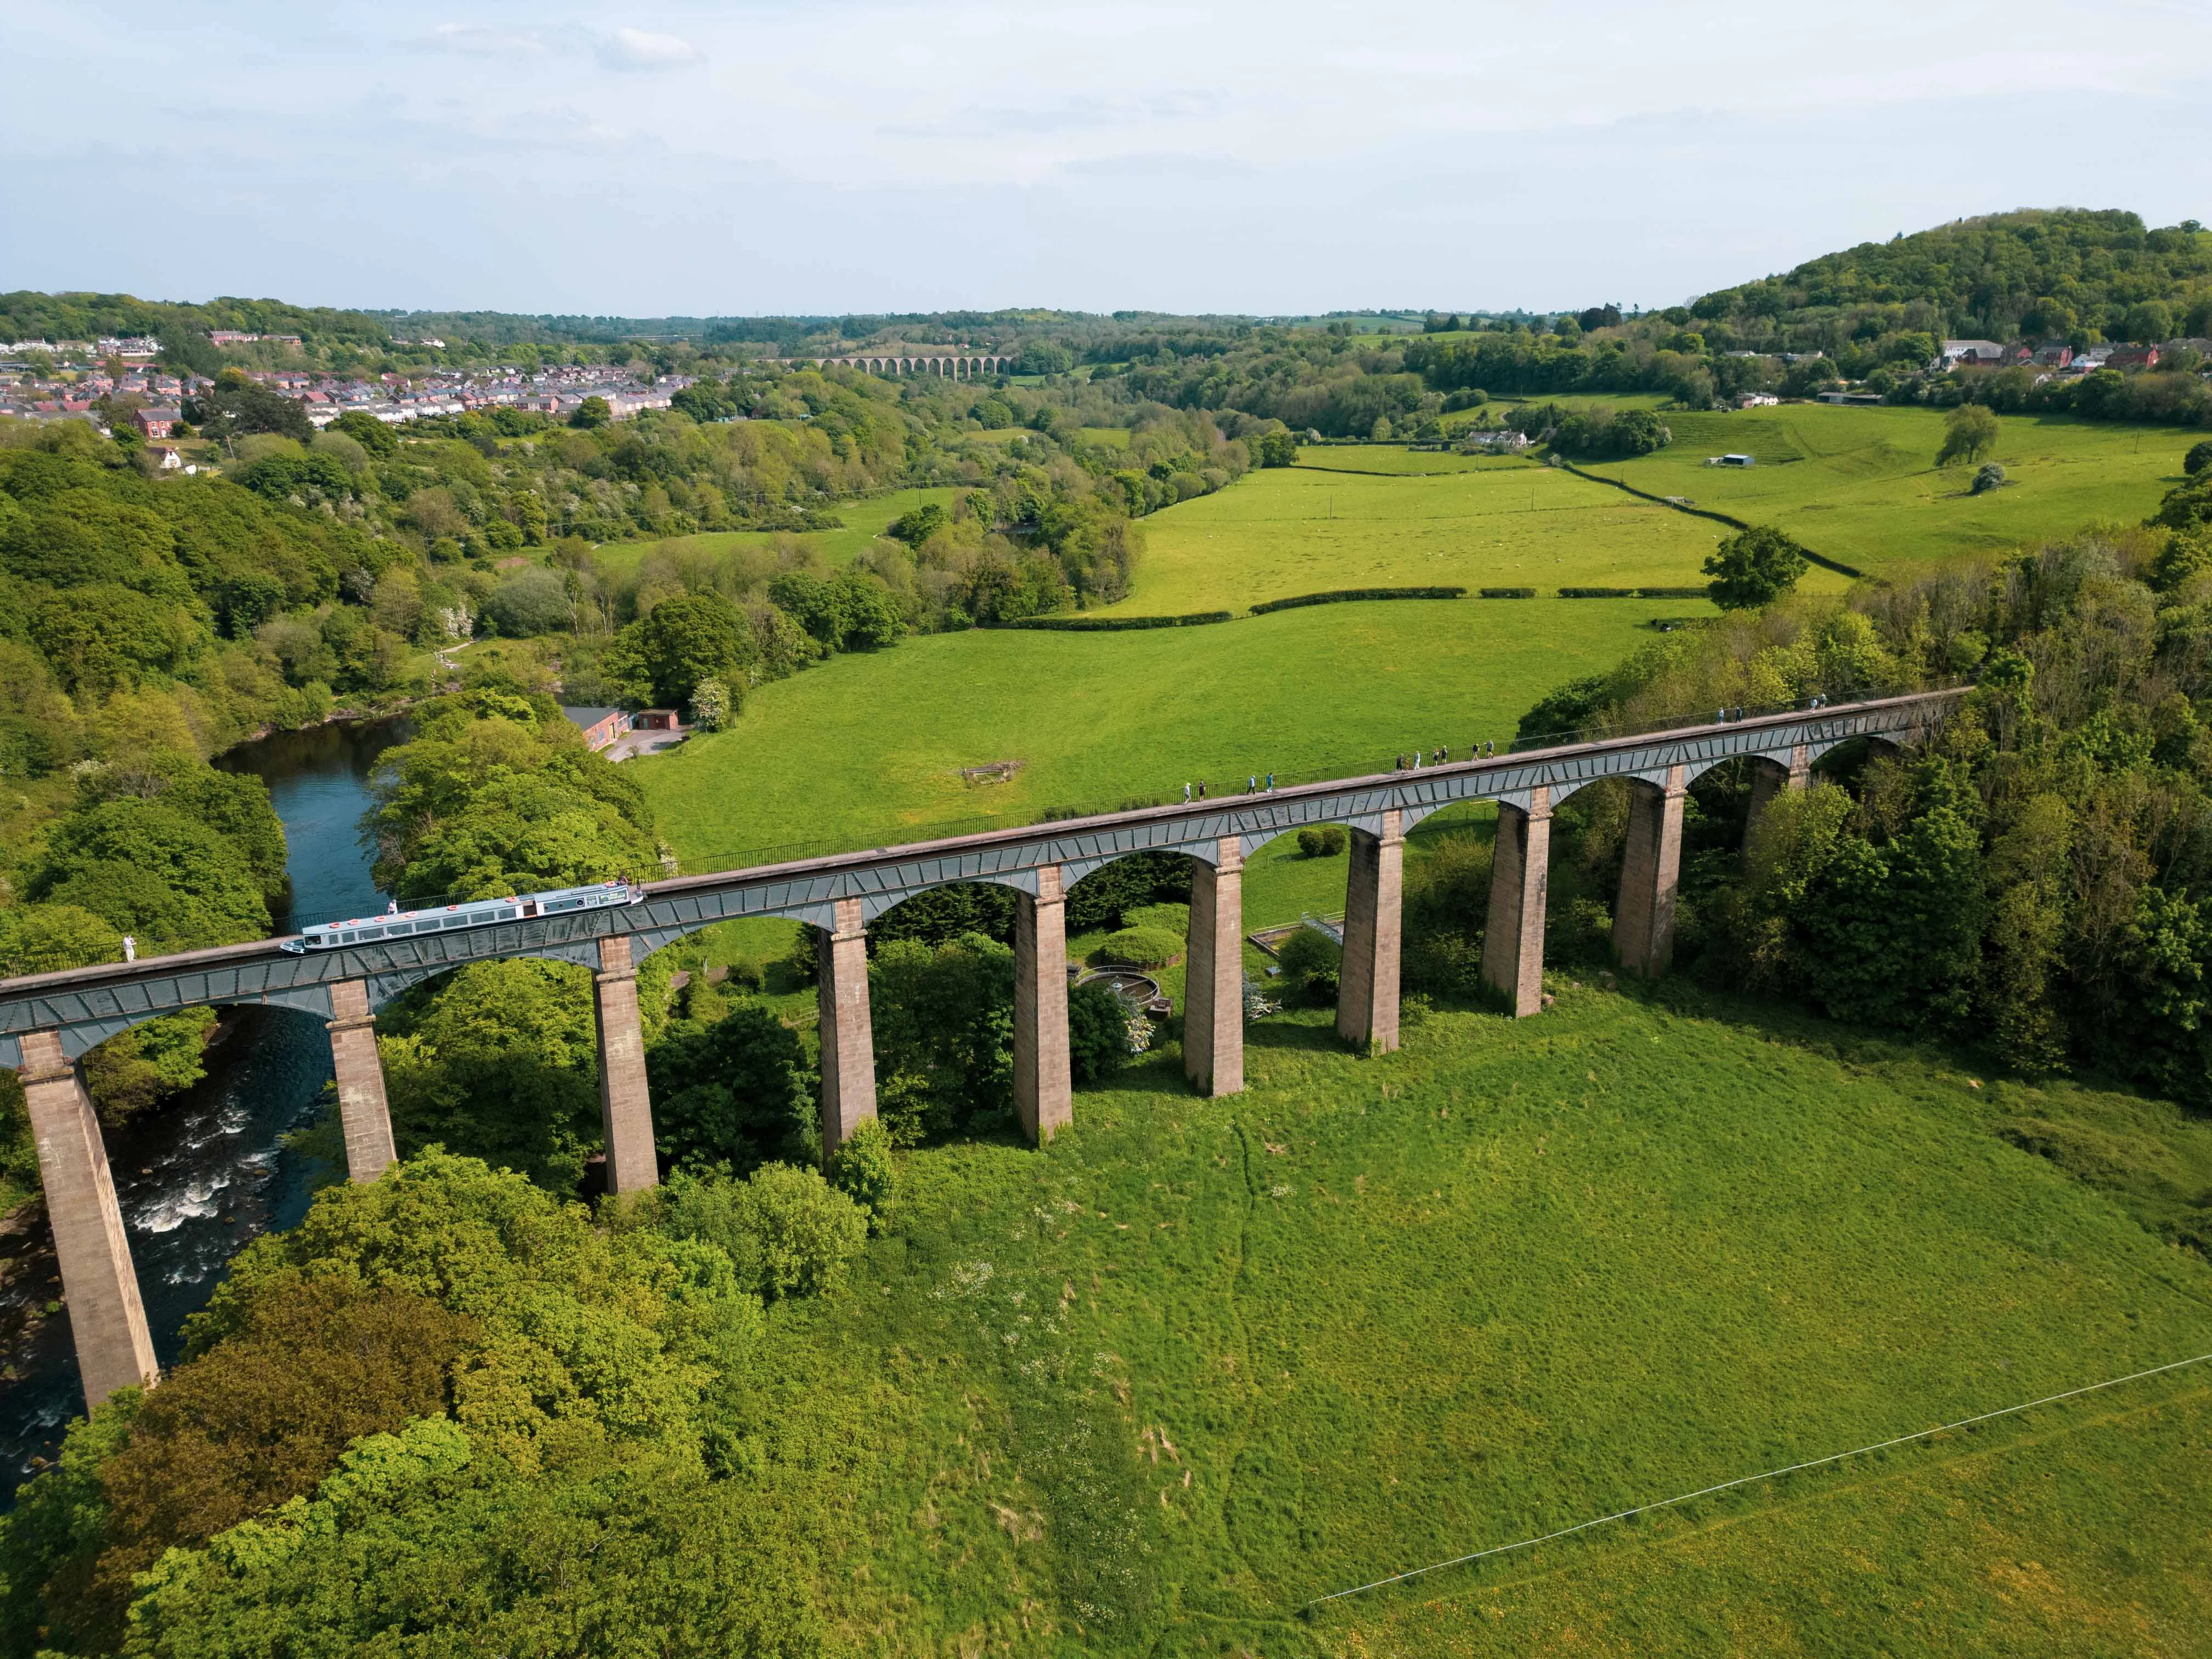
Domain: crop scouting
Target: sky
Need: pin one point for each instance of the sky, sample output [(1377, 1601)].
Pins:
[(874, 155)]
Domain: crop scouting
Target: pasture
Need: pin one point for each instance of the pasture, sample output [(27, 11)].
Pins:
[(1153, 1389), (1286, 531), (1861, 484), (867, 749), (865, 519)]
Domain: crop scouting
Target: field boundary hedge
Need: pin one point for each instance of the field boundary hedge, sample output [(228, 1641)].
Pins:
[(1115, 624), (1635, 593), (1345, 595), (1729, 519), (1508, 593)]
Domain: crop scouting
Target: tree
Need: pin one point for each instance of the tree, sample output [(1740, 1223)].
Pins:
[(1969, 433), (592, 414), (2198, 459), (864, 1169), (372, 434), (531, 601), (917, 526), (1753, 568), (684, 640), (2149, 322), (237, 408), (735, 1093), (1989, 477), (1098, 1031), (713, 706)]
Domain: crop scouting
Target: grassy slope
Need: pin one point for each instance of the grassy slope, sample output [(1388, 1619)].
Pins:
[(865, 519), (1151, 1389), (1861, 484), (866, 750), (1497, 523)]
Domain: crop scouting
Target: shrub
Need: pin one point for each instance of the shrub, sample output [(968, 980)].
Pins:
[(1098, 1031), (789, 1231), (1323, 841), (1167, 918), (1345, 595), (1509, 592), (862, 1169), (1990, 476), (2199, 458), (1142, 947), (1312, 962)]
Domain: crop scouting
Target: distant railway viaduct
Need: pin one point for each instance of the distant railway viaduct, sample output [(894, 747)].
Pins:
[(954, 367), (48, 1020)]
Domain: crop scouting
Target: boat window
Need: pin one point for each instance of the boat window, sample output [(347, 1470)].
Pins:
[(459, 921), (371, 933), (346, 939), (504, 915)]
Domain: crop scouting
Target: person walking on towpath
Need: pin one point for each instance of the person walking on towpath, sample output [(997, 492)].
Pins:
[(1252, 784), (1271, 783), (1186, 794)]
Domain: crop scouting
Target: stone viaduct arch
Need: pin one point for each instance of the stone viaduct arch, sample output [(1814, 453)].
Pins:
[(48, 1021)]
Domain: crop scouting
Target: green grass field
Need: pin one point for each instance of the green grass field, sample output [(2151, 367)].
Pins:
[(1861, 485), (1487, 524), (1155, 1388), (866, 750), (865, 519)]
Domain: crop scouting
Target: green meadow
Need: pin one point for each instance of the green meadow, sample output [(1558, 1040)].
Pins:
[(864, 517), (1287, 530), (867, 749), (1861, 485), (1156, 1388)]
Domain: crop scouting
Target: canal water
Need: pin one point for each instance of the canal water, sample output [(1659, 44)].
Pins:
[(209, 1171)]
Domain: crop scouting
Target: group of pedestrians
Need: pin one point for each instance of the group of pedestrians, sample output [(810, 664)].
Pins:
[(1253, 785), (1441, 756)]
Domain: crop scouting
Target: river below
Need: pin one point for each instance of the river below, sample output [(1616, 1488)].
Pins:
[(200, 1176)]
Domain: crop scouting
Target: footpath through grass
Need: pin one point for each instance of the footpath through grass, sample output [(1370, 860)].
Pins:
[(1861, 485), (1155, 1388)]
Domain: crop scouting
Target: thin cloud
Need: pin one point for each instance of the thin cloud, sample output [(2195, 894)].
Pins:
[(636, 48), (482, 40)]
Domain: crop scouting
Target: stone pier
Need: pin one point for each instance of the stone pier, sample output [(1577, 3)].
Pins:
[(625, 1106), (1373, 925), (1041, 1084), (1650, 875), (1213, 974), (1770, 778), (363, 1115), (849, 1044), (114, 1349), (1513, 942)]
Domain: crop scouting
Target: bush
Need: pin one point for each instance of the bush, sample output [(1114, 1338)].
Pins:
[(1345, 595), (2199, 458), (530, 602), (1509, 592), (1323, 841), (1117, 624), (862, 1168), (1167, 918), (789, 1231), (1312, 963), (1098, 1031), (1142, 947), (1990, 476)]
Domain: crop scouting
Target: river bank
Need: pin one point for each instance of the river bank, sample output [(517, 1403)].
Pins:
[(210, 1170)]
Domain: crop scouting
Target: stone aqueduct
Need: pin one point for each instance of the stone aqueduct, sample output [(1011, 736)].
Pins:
[(47, 1021), (959, 368)]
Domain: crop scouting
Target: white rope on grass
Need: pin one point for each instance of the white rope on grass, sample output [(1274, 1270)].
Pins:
[(1748, 1479)]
